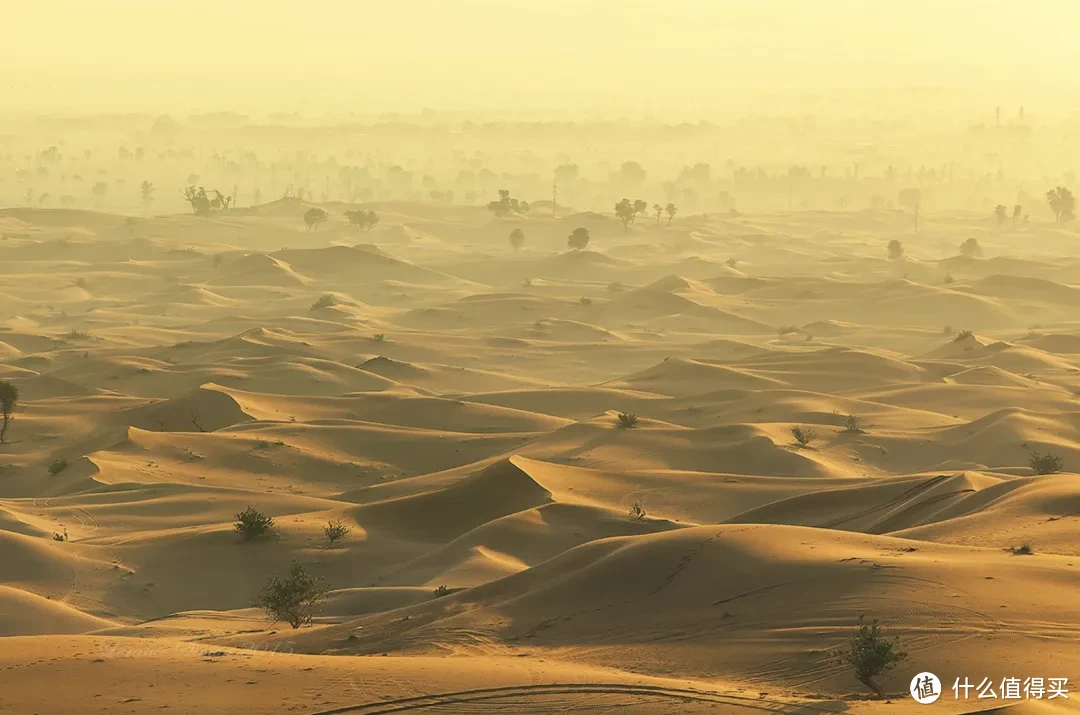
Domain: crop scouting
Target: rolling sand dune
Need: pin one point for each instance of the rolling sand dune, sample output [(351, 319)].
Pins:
[(569, 479)]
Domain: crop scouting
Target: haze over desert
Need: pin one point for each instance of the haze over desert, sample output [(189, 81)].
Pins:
[(476, 389)]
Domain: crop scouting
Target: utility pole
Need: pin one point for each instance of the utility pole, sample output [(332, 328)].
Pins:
[(554, 193)]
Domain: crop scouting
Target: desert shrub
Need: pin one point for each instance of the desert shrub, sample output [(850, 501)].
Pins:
[(895, 249), (586, 301), (1023, 550), (963, 335), (786, 330), (871, 654), (803, 435), (1048, 463), (76, 334), (262, 444), (616, 287), (57, 536), (949, 278), (57, 466), (948, 330), (251, 524), (335, 530), (527, 283), (971, 248), (325, 301), (441, 591), (637, 511), (626, 420), (732, 263), (292, 599), (379, 337), (853, 424)]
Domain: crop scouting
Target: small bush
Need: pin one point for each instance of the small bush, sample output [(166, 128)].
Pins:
[(292, 599), (379, 337), (732, 263), (637, 511), (76, 334), (586, 301), (335, 530), (853, 425), (616, 287), (949, 278), (325, 301), (527, 283), (57, 536), (870, 654), (803, 435), (442, 591), (1023, 550), (626, 420), (895, 249), (963, 335), (1045, 463), (58, 465), (971, 248), (787, 330), (252, 524), (948, 330)]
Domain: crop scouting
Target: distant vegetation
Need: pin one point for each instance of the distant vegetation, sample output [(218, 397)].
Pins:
[(506, 205), (963, 335), (363, 220), (335, 531), (1048, 463), (251, 524), (971, 247), (895, 249), (578, 238), (325, 301), (1062, 203), (9, 400), (292, 599), (441, 591), (626, 420), (203, 203), (313, 217), (57, 466), (853, 425), (517, 239), (637, 512)]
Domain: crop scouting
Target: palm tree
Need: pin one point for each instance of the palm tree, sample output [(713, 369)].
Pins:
[(517, 239), (659, 210), (1062, 203), (9, 398), (671, 211)]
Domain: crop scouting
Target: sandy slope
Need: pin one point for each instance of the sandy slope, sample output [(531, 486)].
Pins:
[(456, 406)]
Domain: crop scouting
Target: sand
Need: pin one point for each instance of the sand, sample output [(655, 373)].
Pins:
[(455, 404)]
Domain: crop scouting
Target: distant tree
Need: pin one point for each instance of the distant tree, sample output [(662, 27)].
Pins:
[(1017, 210), (9, 399), (971, 248), (313, 217), (625, 212), (517, 239), (364, 220), (579, 238), (200, 202), (292, 599), (659, 212), (631, 173), (640, 207), (877, 202), (896, 249), (912, 200), (567, 173), (1062, 203), (100, 191), (147, 193), (670, 210), (507, 205), (1001, 213), (725, 200)]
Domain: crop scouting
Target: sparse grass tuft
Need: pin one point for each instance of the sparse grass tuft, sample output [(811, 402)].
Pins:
[(626, 420), (853, 425), (325, 301), (441, 591), (76, 334), (1022, 550), (586, 301), (637, 512)]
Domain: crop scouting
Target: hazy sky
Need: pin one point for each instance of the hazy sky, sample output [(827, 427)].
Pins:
[(331, 55)]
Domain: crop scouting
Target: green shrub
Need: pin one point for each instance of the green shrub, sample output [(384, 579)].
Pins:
[(870, 654), (1045, 463), (803, 435), (292, 599), (58, 465), (626, 420), (252, 524), (335, 530)]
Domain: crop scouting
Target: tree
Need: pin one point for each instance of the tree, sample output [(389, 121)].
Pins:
[(912, 200), (640, 207), (147, 191), (896, 249), (251, 524), (292, 599), (1062, 203), (625, 211), (507, 205), (364, 220), (1017, 210), (671, 210), (659, 212), (517, 239), (1001, 213), (631, 173), (100, 191), (313, 217), (9, 399), (579, 238), (870, 654), (971, 248), (202, 203)]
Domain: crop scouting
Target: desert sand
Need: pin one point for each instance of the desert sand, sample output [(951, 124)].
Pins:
[(455, 404)]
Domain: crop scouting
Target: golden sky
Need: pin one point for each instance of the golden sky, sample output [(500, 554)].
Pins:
[(250, 55)]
